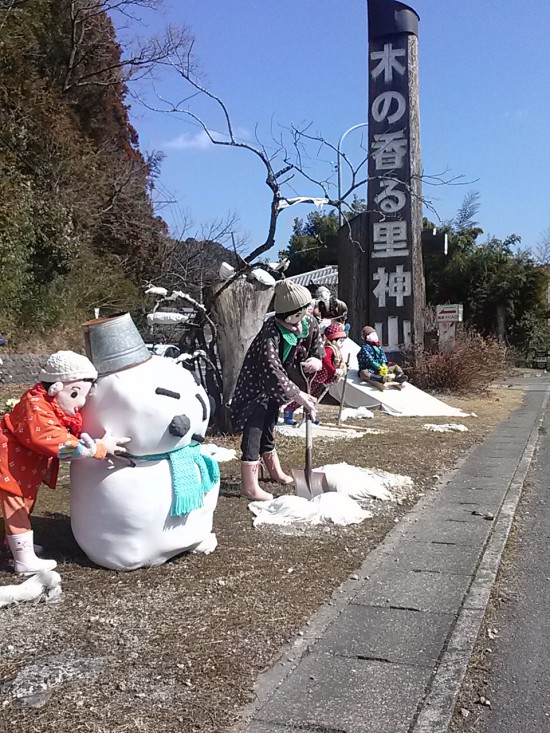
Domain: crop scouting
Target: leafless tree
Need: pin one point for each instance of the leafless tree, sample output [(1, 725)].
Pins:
[(541, 251), (238, 304), (91, 64)]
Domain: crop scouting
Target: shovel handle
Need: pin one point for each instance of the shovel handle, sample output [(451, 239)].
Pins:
[(339, 422), (309, 452)]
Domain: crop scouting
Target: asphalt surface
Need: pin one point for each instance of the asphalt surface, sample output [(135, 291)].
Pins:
[(518, 685), (389, 652)]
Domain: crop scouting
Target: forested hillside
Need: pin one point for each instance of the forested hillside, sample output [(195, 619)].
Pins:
[(77, 227)]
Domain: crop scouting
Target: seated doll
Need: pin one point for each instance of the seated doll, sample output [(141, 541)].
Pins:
[(374, 367), (43, 429), (333, 368)]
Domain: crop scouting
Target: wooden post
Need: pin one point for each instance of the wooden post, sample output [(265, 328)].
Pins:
[(394, 199)]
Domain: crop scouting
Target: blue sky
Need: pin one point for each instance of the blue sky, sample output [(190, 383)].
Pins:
[(484, 104)]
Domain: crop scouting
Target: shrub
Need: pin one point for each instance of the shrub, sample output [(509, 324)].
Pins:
[(470, 366)]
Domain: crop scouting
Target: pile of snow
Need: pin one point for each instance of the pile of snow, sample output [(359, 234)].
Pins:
[(450, 427), (329, 508), (364, 483), (347, 486), (263, 277), (219, 454), (358, 413), (166, 318), (318, 431), (44, 586)]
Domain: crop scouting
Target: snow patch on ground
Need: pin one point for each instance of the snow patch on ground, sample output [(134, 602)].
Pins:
[(319, 431), (328, 508), (44, 586), (352, 491), (449, 427)]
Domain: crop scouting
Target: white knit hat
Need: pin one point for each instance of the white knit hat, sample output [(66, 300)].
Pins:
[(67, 366), (289, 296)]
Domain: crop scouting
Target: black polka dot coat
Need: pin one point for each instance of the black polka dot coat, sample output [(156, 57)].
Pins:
[(263, 375)]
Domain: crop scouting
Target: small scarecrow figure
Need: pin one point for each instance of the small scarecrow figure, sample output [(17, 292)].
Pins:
[(374, 367), (43, 429), (287, 350), (333, 368)]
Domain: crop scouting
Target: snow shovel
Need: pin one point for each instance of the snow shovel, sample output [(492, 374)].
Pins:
[(339, 422), (308, 483)]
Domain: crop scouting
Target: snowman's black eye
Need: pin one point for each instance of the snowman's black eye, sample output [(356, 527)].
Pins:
[(167, 393), (203, 403)]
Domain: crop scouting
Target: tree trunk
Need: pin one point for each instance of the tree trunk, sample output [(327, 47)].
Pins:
[(501, 323), (238, 312)]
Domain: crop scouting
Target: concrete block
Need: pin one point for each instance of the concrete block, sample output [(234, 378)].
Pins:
[(434, 529), (387, 634), (435, 592), (352, 695), (425, 556)]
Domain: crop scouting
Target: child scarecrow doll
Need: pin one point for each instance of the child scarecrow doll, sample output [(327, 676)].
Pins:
[(333, 368), (285, 354), (43, 429), (374, 367)]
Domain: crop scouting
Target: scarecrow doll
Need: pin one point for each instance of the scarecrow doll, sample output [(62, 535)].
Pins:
[(43, 429), (285, 354), (332, 370), (374, 367)]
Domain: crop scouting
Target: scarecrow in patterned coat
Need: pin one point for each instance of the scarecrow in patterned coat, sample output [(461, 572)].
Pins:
[(287, 350), (43, 429), (333, 368)]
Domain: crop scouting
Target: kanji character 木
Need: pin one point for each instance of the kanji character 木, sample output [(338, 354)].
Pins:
[(387, 62)]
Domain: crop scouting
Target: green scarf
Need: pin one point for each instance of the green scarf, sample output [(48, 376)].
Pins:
[(290, 339), (188, 492)]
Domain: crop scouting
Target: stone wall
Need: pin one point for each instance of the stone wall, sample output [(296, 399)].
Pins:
[(20, 368)]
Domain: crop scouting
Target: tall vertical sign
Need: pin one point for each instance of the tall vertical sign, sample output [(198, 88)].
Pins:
[(396, 277)]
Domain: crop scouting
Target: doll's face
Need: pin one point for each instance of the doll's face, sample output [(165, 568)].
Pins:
[(71, 396), (295, 318)]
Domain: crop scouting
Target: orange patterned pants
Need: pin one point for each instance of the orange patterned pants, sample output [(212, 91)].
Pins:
[(16, 511)]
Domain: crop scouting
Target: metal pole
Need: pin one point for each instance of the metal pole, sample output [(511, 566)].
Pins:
[(338, 166)]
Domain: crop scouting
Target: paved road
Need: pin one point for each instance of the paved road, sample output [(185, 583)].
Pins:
[(519, 682)]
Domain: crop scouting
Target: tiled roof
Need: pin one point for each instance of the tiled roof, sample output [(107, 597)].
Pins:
[(324, 276)]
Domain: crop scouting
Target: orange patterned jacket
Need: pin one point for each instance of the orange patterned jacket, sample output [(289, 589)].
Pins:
[(32, 436)]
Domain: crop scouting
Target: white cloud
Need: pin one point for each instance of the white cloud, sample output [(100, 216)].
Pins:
[(199, 140), (189, 141)]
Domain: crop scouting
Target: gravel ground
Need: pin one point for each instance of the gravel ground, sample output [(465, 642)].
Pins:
[(177, 648)]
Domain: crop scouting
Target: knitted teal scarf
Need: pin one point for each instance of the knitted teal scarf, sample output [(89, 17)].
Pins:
[(188, 493), (290, 338)]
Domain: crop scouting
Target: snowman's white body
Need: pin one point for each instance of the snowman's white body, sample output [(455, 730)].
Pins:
[(120, 515)]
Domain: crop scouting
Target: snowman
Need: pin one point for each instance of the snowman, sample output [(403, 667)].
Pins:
[(158, 500)]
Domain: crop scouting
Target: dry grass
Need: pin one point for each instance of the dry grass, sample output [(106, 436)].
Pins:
[(177, 648)]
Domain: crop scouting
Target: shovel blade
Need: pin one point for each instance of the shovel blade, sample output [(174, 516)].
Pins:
[(317, 486)]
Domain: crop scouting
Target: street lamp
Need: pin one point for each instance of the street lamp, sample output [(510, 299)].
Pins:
[(339, 155)]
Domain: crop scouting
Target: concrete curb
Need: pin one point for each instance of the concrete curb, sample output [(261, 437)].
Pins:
[(437, 709)]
